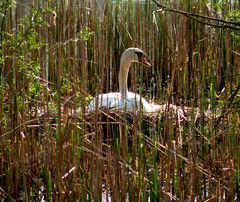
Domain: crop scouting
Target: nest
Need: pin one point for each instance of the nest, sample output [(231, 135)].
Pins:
[(167, 115)]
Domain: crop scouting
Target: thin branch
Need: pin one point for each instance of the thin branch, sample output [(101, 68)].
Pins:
[(214, 25), (228, 104), (195, 16)]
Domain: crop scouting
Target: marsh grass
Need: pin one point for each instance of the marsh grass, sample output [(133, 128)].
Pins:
[(56, 55)]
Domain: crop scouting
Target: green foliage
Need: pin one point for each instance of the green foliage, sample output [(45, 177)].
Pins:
[(236, 37), (213, 96), (5, 6), (35, 85), (22, 45), (85, 34), (66, 86), (234, 15)]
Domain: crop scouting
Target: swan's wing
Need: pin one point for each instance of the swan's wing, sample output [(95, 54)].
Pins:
[(108, 100), (116, 104), (121, 104), (139, 102), (147, 107)]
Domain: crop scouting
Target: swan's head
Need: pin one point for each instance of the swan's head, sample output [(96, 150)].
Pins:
[(135, 55)]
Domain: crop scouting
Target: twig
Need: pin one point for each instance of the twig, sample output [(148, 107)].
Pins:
[(193, 16), (228, 104)]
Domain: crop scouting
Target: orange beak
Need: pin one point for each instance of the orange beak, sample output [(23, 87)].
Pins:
[(144, 61)]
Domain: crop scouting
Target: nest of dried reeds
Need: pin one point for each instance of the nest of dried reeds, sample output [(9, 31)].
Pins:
[(148, 123)]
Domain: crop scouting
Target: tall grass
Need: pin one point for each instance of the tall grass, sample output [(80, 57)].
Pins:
[(56, 55)]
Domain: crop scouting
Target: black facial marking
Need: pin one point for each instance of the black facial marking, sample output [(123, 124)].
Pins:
[(139, 54)]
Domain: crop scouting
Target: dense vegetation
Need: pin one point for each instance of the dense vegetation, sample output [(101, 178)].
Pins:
[(56, 55)]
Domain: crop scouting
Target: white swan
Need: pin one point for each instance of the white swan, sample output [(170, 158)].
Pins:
[(124, 100)]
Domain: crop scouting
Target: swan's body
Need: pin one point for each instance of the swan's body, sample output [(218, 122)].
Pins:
[(124, 100), (115, 101)]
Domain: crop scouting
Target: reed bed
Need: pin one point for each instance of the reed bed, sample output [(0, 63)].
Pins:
[(56, 55)]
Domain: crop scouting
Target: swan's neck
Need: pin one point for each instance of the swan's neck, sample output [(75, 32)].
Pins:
[(122, 77)]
